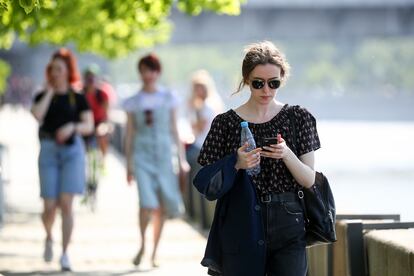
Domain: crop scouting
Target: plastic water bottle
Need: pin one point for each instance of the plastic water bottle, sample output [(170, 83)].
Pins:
[(247, 136)]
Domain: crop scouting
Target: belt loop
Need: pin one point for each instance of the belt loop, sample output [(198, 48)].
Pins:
[(266, 198)]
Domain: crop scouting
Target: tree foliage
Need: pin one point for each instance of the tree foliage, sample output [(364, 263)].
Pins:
[(4, 72), (111, 28)]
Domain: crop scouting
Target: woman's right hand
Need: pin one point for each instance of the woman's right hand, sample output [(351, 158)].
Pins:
[(247, 160), (40, 108)]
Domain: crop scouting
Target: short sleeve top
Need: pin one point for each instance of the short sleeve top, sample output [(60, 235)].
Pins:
[(207, 114), (62, 109), (149, 101), (224, 138)]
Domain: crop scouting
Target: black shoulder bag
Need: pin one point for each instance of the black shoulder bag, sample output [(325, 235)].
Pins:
[(318, 205)]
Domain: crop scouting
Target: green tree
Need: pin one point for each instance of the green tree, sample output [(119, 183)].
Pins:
[(111, 28), (4, 73)]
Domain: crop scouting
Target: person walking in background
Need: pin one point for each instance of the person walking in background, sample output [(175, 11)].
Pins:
[(258, 227), (98, 101), (150, 142), (204, 104), (64, 117)]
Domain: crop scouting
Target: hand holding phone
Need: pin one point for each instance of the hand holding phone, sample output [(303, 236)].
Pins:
[(274, 147), (267, 141)]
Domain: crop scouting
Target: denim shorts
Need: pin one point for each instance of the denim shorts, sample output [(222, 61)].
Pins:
[(159, 190), (61, 168)]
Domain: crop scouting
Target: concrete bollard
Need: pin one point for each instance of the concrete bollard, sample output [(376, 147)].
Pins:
[(318, 260), (390, 252), (318, 256), (340, 250)]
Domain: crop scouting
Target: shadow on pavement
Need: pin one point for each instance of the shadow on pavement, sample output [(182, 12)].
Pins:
[(80, 273)]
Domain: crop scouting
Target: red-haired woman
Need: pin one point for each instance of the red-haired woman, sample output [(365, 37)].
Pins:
[(64, 116)]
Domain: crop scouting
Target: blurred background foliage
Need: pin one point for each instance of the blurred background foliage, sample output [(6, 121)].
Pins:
[(4, 72), (110, 28)]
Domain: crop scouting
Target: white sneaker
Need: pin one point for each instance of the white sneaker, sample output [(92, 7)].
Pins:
[(48, 253), (65, 263)]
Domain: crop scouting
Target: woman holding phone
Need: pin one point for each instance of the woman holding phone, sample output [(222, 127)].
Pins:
[(64, 117), (258, 228)]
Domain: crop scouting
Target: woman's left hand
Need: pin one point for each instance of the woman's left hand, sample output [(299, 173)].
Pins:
[(277, 151), (65, 132)]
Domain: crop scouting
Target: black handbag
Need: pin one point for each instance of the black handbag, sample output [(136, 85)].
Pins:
[(318, 205), (319, 209)]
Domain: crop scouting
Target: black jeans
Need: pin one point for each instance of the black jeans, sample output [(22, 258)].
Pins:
[(284, 226)]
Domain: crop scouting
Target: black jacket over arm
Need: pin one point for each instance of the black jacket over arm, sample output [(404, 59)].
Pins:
[(235, 244)]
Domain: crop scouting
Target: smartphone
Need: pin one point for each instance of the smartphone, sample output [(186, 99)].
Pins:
[(269, 141)]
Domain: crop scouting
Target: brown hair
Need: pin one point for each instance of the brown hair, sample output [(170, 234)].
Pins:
[(151, 61), (262, 53), (70, 61)]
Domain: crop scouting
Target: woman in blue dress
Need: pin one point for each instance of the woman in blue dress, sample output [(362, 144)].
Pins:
[(151, 145)]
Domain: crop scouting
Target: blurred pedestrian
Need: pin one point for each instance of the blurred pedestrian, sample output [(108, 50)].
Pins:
[(106, 86), (204, 104), (98, 101), (259, 228), (64, 116), (150, 142)]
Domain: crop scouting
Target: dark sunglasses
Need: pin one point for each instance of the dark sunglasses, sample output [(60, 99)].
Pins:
[(259, 84), (149, 119)]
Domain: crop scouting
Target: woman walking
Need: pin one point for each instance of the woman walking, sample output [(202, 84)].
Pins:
[(258, 228), (64, 117), (150, 142)]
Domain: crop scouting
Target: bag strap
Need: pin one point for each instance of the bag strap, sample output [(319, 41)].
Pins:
[(300, 192)]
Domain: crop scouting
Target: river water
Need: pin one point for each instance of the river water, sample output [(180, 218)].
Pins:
[(370, 166)]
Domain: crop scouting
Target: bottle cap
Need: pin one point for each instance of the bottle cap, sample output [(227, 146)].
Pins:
[(244, 124)]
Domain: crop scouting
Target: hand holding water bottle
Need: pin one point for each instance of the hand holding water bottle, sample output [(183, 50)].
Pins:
[(250, 161), (247, 160)]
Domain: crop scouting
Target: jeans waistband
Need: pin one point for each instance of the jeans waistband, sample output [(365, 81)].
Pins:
[(283, 197)]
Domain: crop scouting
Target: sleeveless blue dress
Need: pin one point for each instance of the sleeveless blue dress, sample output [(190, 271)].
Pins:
[(154, 151)]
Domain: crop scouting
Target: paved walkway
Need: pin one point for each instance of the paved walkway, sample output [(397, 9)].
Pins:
[(104, 242)]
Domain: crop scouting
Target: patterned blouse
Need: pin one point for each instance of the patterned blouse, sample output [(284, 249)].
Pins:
[(224, 138)]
